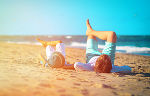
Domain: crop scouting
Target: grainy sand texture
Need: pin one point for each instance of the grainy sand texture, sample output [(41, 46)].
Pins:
[(21, 74)]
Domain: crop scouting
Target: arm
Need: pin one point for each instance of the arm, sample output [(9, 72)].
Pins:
[(83, 67), (68, 66), (121, 69)]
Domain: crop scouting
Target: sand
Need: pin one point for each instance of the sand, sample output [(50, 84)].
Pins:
[(21, 74)]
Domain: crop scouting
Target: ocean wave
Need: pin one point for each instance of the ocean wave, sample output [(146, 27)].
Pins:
[(68, 37), (120, 49), (132, 49), (123, 49)]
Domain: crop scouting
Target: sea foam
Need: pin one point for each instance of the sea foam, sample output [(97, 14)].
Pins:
[(126, 49), (120, 49), (68, 37)]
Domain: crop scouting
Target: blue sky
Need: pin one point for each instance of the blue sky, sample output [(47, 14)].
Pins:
[(67, 17)]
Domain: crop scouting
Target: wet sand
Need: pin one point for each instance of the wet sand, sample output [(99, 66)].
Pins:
[(21, 74)]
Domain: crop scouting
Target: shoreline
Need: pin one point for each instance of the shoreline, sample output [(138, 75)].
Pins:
[(68, 46)]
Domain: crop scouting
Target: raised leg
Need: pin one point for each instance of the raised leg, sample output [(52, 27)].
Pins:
[(49, 51), (92, 44), (60, 47), (109, 36), (46, 43)]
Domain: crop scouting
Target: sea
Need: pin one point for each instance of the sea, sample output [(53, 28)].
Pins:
[(139, 45)]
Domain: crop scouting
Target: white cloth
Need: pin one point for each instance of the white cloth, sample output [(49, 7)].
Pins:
[(60, 47), (90, 66)]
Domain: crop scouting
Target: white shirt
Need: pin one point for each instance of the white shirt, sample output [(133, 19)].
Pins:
[(90, 66)]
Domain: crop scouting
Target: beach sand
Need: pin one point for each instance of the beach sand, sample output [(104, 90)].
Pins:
[(21, 74)]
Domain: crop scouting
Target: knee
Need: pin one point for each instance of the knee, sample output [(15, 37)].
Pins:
[(113, 34), (112, 37)]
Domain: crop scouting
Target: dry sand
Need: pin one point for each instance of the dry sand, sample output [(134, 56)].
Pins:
[(21, 74)]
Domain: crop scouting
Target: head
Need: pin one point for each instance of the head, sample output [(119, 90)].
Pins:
[(56, 60), (103, 64)]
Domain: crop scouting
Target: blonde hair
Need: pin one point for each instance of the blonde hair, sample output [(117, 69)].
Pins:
[(103, 64)]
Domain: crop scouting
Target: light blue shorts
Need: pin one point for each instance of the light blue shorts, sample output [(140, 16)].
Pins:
[(92, 50)]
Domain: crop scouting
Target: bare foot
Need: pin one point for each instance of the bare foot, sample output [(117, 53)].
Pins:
[(89, 28), (53, 43), (45, 43)]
